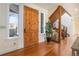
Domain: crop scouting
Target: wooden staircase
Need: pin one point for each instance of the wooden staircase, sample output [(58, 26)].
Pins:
[(56, 15)]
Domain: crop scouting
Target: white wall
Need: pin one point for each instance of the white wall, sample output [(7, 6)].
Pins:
[(76, 25), (67, 21), (7, 45)]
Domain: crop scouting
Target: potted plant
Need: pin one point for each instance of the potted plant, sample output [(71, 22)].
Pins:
[(48, 31)]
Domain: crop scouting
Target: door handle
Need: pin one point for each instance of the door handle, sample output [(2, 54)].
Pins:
[(24, 30)]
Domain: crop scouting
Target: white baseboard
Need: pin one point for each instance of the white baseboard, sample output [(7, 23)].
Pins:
[(7, 50)]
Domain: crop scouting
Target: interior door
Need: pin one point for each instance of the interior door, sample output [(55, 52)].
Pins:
[(30, 26)]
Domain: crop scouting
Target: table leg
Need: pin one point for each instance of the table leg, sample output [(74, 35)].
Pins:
[(73, 52)]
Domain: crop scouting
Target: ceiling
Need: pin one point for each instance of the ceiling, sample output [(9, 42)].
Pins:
[(72, 8)]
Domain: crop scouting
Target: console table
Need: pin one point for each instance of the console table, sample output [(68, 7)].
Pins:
[(75, 47)]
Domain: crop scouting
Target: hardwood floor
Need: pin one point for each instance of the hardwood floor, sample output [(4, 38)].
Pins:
[(46, 49)]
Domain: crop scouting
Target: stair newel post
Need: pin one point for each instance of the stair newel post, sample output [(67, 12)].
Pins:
[(59, 24)]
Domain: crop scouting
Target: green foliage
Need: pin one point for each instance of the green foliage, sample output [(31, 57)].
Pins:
[(48, 27)]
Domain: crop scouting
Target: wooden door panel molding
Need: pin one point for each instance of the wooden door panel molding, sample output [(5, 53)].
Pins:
[(34, 36)]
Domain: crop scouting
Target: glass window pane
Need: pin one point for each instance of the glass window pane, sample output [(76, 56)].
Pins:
[(13, 20), (42, 23)]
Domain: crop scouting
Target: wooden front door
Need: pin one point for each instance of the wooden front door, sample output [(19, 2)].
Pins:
[(30, 26)]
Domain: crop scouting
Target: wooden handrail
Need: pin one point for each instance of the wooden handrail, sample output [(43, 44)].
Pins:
[(55, 14)]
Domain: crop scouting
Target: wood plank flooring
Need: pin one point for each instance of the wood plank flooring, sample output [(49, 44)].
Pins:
[(46, 49)]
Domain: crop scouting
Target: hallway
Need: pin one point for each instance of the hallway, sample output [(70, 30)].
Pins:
[(46, 49)]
